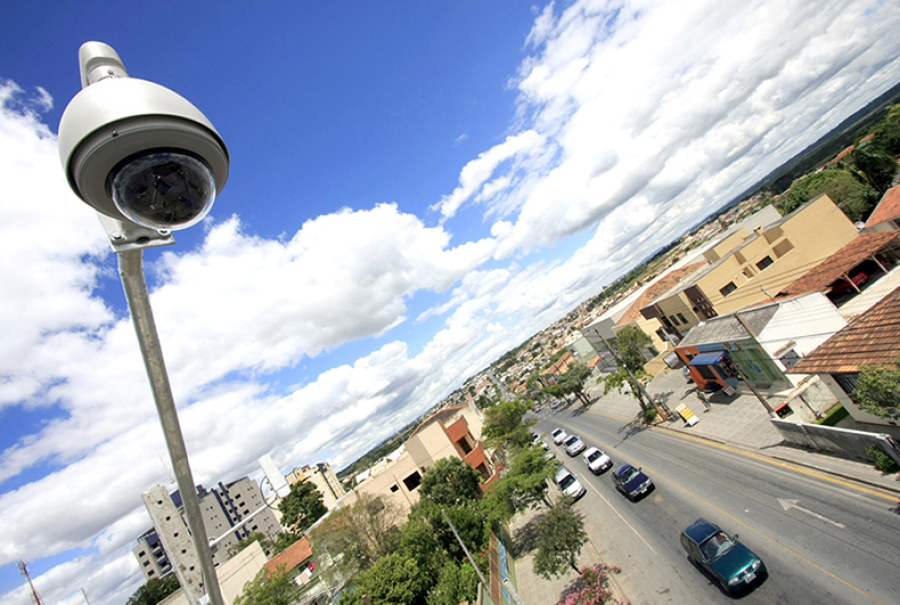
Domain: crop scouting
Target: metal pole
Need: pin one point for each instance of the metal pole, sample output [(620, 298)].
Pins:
[(747, 380), (132, 273)]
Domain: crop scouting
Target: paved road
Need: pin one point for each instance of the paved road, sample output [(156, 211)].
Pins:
[(824, 540)]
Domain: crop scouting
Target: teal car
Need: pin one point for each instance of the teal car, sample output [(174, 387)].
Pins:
[(732, 564)]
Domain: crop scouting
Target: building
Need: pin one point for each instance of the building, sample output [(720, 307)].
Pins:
[(886, 216), (233, 575), (326, 482), (749, 268), (873, 339), (453, 431), (151, 556), (763, 342), (232, 512)]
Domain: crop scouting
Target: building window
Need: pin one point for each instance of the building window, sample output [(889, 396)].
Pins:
[(681, 317), (149, 573), (146, 563), (765, 262), (847, 381), (727, 289), (413, 481), (673, 320), (783, 248), (395, 488)]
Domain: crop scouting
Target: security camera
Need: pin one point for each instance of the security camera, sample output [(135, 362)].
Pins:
[(135, 150)]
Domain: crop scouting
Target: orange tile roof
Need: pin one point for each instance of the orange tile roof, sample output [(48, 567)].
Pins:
[(291, 557), (665, 283), (887, 208), (873, 339), (832, 268)]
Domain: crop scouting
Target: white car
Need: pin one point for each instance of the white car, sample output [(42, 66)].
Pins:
[(569, 484), (558, 436), (597, 461), (573, 445)]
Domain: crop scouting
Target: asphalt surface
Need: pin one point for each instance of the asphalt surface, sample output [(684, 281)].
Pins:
[(826, 527)]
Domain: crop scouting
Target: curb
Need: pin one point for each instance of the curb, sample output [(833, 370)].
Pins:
[(758, 452)]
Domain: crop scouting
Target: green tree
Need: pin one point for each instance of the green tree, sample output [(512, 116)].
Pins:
[(450, 480), (878, 390), (456, 584), (418, 541), (154, 591), (505, 426), (887, 132), (276, 588), (560, 537), (572, 382), (284, 540), (631, 342), (267, 545), (524, 485), (854, 197), (877, 164), (302, 507), (393, 580)]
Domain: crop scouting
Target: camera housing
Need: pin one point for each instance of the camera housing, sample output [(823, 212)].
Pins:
[(137, 151)]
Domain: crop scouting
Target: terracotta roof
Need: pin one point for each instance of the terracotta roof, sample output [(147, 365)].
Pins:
[(832, 268), (887, 208), (657, 289), (873, 339), (291, 557)]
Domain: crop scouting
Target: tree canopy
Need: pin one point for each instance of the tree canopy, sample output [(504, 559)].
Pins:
[(630, 343), (394, 579), (572, 382), (878, 390), (560, 538), (854, 197), (154, 591), (277, 588), (302, 507), (524, 485), (505, 426), (449, 481)]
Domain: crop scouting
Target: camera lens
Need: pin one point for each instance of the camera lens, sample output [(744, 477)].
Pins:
[(163, 190)]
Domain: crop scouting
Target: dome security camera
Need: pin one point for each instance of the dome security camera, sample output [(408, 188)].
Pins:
[(135, 150)]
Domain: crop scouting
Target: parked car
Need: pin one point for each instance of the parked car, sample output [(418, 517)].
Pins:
[(632, 482), (558, 436), (568, 483), (732, 564), (597, 461), (573, 445), (555, 404), (844, 286)]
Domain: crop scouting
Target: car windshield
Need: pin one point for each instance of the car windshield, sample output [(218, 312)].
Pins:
[(629, 474), (716, 545), (594, 455), (566, 482), (571, 440)]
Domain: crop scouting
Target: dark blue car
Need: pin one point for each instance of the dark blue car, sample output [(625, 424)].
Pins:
[(632, 482)]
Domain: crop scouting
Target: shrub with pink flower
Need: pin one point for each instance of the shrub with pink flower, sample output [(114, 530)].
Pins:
[(595, 591)]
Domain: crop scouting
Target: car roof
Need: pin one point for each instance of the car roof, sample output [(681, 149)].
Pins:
[(591, 450), (556, 430), (700, 530), (622, 469)]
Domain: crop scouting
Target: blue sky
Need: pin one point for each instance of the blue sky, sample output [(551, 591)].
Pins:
[(415, 188)]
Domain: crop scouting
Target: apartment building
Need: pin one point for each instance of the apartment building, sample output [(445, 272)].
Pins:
[(322, 476), (747, 268)]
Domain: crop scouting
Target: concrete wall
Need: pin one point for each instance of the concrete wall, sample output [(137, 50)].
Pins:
[(233, 575), (830, 439)]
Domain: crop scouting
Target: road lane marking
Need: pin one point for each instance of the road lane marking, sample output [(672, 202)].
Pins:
[(618, 514), (789, 504), (744, 524)]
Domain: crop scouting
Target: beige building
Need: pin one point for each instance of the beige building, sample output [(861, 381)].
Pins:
[(233, 575), (747, 268), (453, 431), (326, 482)]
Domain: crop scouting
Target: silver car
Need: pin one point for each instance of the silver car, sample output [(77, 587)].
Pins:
[(573, 445), (569, 484)]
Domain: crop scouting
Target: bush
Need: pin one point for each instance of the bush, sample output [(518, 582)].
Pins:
[(649, 415), (883, 462)]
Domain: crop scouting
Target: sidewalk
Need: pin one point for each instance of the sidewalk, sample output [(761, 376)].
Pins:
[(740, 421)]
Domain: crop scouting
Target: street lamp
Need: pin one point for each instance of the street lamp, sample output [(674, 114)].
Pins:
[(149, 162)]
